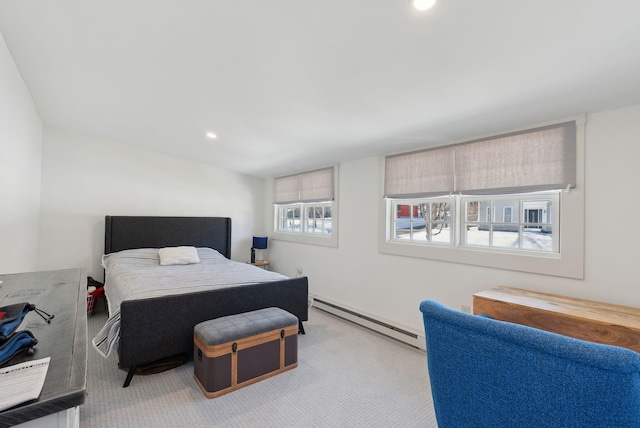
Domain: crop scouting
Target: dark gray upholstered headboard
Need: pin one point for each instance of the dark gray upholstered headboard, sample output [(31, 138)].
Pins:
[(129, 232)]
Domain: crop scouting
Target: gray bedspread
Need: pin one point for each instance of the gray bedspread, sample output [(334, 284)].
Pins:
[(137, 274)]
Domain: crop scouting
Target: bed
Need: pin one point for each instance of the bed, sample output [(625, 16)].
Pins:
[(160, 327)]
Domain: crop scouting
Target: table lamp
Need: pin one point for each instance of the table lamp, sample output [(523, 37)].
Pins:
[(259, 243)]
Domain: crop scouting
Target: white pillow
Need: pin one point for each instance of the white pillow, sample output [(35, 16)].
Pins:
[(178, 256)]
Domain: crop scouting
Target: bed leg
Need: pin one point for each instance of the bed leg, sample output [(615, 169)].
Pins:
[(130, 373), (300, 328)]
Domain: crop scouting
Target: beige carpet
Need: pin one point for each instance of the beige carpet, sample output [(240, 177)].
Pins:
[(347, 376)]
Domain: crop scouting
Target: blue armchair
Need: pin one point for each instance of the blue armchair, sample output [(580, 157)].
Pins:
[(489, 373)]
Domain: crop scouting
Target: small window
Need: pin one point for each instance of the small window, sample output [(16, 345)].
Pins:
[(507, 213), (316, 218), (304, 207)]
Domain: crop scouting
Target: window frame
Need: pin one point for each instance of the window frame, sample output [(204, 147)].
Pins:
[(568, 262)]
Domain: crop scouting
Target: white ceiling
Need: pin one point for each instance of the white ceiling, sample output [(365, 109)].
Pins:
[(290, 85)]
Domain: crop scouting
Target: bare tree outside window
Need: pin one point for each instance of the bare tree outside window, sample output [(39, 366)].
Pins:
[(437, 215)]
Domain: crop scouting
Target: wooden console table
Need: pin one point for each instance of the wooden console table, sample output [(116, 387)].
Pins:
[(62, 293), (581, 319)]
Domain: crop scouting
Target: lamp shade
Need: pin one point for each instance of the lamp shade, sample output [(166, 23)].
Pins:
[(259, 242)]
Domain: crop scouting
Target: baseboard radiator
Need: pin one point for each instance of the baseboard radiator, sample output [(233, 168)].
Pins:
[(411, 338)]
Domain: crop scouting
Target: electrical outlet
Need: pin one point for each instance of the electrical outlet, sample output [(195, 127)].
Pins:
[(466, 309), (299, 270)]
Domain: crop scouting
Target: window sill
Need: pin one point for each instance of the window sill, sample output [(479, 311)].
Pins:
[(563, 265)]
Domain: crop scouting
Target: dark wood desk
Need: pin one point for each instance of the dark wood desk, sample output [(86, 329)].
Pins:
[(62, 293)]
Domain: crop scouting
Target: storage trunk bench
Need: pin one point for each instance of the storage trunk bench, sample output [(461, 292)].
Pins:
[(237, 350)]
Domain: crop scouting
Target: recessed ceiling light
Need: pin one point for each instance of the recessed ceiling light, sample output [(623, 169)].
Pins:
[(423, 4), (211, 135)]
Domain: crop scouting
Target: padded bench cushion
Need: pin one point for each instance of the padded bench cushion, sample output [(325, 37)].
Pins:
[(235, 327)]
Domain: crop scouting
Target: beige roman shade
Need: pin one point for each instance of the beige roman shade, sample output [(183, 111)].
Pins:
[(311, 186), (536, 159), (420, 174)]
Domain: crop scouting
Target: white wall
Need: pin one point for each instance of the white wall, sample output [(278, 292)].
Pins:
[(391, 287), (20, 159), (85, 178)]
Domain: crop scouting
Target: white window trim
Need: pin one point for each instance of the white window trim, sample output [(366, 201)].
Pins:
[(569, 262), (307, 238)]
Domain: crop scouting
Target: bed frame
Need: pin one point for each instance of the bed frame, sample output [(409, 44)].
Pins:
[(157, 328)]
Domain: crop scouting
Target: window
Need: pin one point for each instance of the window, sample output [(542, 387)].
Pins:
[(507, 214), (423, 220), (485, 222), (289, 218), (532, 231), (305, 207), (316, 218), (494, 201)]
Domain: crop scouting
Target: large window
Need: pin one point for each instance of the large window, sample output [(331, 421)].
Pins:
[(305, 207), (489, 200), (513, 222)]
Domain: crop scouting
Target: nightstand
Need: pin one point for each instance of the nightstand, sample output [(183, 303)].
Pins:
[(264, 264)]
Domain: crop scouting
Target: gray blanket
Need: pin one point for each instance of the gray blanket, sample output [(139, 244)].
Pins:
[(137, 274)]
